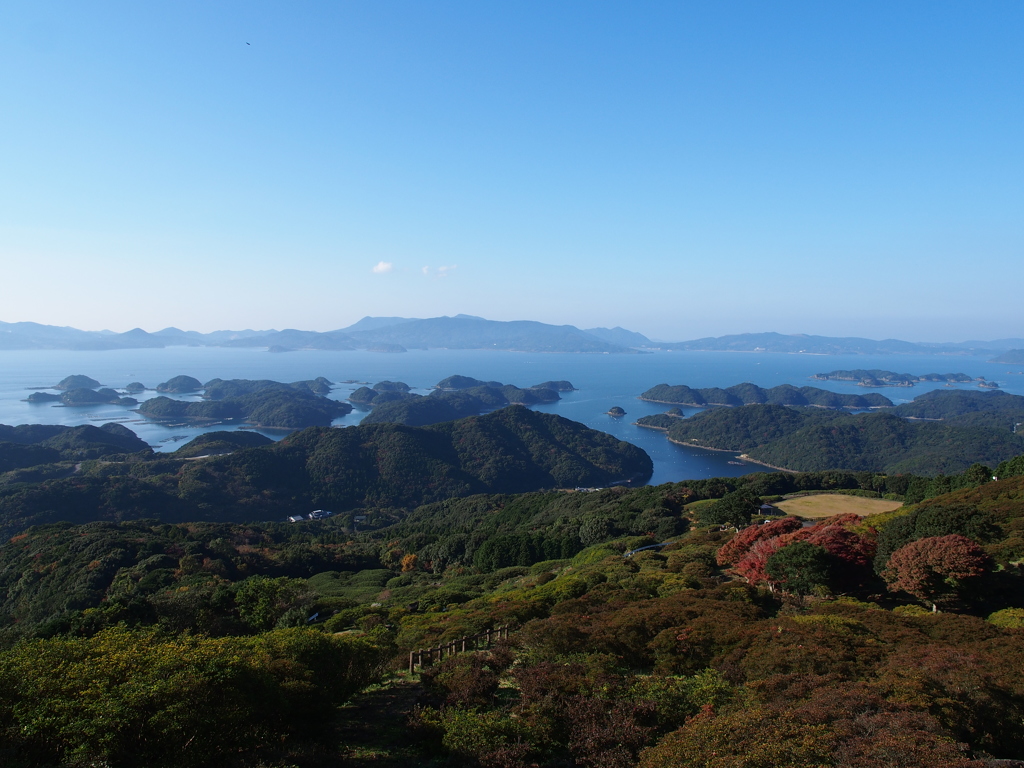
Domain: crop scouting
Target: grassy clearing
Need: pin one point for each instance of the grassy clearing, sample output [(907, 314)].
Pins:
[(828, 504)]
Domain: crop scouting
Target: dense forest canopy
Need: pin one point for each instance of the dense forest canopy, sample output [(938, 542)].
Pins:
[(943, 431), (388, 465), (454, 397), (876, 377), (747, 394)]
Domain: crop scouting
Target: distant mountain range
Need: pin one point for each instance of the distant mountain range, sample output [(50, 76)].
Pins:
[(398, 334)]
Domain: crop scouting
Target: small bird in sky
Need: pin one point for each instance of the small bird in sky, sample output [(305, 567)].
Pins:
[(248, 43)]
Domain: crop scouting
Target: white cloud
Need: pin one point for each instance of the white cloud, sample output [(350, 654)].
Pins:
[(382, 267), (440, 271)]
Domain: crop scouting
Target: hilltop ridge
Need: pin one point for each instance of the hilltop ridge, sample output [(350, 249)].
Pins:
[(396, 334)]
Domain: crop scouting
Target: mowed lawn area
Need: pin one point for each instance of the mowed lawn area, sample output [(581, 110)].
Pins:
[(828, 504)]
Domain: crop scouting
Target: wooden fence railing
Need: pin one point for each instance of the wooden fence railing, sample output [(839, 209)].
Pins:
[(425, 656)]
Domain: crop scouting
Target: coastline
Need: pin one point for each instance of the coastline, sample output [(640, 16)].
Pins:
[(650, 426), (742, 456), (688, 405), (809, 405)]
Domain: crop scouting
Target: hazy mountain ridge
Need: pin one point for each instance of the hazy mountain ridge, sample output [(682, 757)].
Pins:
[(470, 332)]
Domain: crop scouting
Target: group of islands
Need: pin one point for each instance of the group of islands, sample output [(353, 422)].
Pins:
[(784, 427), (295, 405)]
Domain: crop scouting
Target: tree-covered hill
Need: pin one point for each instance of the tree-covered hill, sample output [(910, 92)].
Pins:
[(885, 442), (746, 428), (222, 389), (939, 432), (180, 384), (875, 377), (383, 465), (993, 408), (30, 445), (454, 397), (282, 406), (221, 442), (747, 394)]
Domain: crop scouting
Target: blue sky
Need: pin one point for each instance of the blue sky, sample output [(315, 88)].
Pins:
[(680, 169)]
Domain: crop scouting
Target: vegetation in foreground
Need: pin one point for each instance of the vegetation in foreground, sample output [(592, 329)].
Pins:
[(891, 640)]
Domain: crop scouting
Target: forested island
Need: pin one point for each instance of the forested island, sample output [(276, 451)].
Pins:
[(80, 390), (258, 402), (747, 394), (454, 397), (875, 377)]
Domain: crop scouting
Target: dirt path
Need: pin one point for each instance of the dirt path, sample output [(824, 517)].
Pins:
[(373, 729)]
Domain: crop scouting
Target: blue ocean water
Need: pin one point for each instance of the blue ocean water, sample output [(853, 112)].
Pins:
[(602, 381)]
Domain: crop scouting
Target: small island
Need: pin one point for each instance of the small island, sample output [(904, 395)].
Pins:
[(616, 411), (180, 385), (558, 386), (78, 382), (81, 390), (102, 396), (380, 393)]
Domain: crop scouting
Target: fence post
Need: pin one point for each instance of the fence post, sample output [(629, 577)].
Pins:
[(411, 664)]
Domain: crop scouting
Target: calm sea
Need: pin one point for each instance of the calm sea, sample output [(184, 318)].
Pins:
[(602, 381)]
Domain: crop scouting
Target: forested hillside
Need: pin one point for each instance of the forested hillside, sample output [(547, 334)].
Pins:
[(384, 465), (939, 432), (748, 394), (780, 645)]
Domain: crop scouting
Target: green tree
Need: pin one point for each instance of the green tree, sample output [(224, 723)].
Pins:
[(799, 567), (262, 601)]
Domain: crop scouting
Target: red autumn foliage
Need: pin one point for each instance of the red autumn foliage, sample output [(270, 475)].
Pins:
[(734, 549), (842, 543), (752, 566), (750, 549), (935, 566), (845, 520)]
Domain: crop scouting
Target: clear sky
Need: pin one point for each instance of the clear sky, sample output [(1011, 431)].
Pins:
[(682, 169)]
